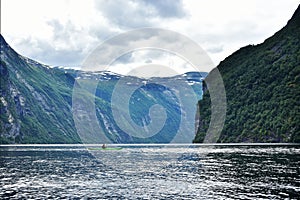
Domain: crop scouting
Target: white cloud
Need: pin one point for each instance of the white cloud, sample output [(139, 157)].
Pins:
[(142, 13), (145, 57), (63, 32)]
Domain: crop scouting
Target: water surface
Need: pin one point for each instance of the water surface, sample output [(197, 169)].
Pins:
[(151, 172)]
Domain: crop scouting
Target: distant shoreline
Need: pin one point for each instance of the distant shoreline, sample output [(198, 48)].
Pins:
[(152, 145)]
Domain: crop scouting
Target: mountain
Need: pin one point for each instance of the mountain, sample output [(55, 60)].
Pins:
[(34, 100), (262, 84), (39, 105)]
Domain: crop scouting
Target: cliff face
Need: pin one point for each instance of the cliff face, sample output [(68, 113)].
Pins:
[(262, 86)]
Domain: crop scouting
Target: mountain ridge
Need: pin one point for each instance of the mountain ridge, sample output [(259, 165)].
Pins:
[(36, 102), (262, 89)]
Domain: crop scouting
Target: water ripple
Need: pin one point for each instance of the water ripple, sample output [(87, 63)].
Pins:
[(150, 173)]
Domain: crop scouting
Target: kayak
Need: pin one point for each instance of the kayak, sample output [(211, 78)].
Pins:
[(105, 149)]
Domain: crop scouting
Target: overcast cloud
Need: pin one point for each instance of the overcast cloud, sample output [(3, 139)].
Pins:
[(139, 13), (62, 32)]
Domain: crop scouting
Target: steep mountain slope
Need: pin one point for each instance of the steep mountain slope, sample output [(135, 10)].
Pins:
[(148, 92), (262, 85), (36, 102), (34, 99)]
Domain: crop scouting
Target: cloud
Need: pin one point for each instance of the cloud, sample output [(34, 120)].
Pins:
[(148, 61), (137, 48), (67, 45), (166, 8), (142, 56), (215, 49), (49, 54), (124, 59), (63, 32), (144, 13), (147, 39)]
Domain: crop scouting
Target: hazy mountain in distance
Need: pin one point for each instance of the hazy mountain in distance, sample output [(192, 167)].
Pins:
[(36, 102)]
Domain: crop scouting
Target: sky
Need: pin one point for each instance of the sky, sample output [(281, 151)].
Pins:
[(66, 32)]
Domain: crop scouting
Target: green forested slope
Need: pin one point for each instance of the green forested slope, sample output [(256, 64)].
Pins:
[(262, 85), (35, 101)]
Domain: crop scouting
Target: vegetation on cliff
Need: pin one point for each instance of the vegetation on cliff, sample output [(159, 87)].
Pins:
[(262, 85)]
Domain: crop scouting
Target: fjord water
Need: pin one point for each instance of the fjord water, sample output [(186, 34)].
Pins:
[(151, 172)]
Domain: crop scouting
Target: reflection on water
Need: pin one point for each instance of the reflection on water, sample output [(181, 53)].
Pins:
[(239, 172)]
